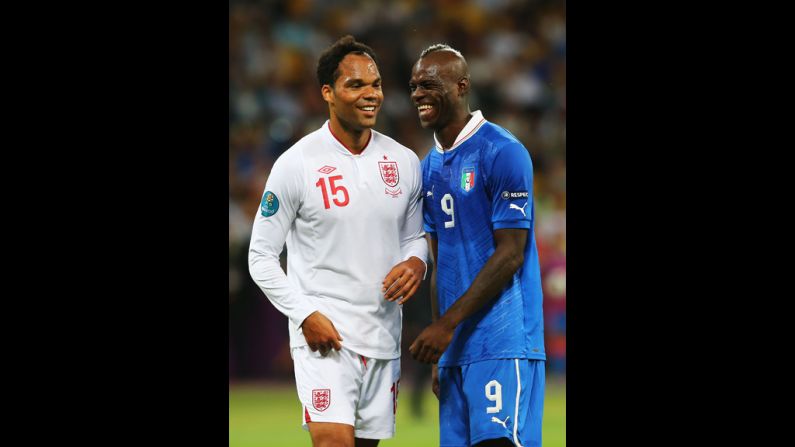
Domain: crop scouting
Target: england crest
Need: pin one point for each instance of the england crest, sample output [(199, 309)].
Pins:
[(321, 399), (389, 173), (468, 179)]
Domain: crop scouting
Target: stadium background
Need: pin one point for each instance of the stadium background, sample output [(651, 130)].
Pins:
[(516, 50)]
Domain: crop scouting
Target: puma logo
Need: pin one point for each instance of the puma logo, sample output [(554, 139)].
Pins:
[(514, 207), (494, 419)]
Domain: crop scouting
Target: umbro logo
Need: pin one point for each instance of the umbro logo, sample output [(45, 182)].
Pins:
[(514, 207), (326, 169)]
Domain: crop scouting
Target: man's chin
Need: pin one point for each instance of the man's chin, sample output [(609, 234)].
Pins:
[(367, 123)]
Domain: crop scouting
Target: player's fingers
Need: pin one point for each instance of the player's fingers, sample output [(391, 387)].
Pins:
[(415, 285), (390, 278), (334, 339), (395, 292), (406, 284), (425, 354), (400, 286), (387, 289), (416, 348), (394, 275), (391, 291), (431, 357), (410, 289), (337, 335)]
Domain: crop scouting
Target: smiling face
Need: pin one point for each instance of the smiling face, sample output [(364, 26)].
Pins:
[(438, 85), (356, 96)]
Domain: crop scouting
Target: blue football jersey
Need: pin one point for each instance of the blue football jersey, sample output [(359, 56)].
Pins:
[(484, 183)]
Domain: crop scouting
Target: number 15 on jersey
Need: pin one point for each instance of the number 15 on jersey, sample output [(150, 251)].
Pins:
[(335, 189)]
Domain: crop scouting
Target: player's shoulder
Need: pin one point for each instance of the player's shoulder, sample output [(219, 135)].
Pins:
[(500, 142), (309, 142), (295, 154), (498, 136), (390, 145)]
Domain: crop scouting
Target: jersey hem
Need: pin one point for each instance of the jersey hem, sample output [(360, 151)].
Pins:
[(468, 361), (511, 224), (485, 437)]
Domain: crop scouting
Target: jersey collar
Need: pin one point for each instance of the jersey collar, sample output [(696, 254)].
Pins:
[(341, 147), (472, 126)]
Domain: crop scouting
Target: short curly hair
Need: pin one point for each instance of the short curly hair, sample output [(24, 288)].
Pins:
[(328, 64)]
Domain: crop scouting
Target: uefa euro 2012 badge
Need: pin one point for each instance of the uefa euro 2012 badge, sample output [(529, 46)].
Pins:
[(269, 205)]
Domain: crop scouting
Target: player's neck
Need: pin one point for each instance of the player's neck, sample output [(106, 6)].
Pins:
[(355, 140), (449, 133)]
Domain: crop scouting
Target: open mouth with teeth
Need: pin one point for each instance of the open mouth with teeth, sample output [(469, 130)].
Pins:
[(425, 110), (369, 109)]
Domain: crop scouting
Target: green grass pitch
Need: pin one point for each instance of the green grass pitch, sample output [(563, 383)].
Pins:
[(270, 415)]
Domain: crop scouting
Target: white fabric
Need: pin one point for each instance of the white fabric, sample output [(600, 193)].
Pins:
[(354, 390), (466, 133), (338, 256)]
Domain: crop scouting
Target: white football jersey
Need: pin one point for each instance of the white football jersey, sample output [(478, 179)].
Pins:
[(347, 220)]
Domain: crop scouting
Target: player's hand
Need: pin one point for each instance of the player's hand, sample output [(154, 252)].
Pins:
[(435, 380), (320, 333), (403, 280), (432, 341)]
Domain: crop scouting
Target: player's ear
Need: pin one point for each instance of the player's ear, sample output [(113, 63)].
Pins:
[(463, 86), (327, 92)]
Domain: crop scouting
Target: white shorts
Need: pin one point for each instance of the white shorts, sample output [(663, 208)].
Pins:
[(346, 388)]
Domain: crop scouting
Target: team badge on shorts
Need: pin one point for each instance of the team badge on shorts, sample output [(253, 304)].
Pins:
[(269, 205), (321, 399), (468, 179)]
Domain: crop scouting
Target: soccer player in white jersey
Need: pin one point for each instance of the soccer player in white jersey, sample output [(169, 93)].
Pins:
[(347, 201)]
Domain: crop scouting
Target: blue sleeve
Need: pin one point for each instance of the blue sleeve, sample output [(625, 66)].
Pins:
[(510, 180), (427, 217)]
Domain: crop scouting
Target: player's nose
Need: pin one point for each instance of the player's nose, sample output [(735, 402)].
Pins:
[(373, 94)]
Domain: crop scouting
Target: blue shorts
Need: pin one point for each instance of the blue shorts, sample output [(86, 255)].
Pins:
[(491, 399)]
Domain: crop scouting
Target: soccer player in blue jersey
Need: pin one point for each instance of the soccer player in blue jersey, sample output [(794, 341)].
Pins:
[(487, 334)]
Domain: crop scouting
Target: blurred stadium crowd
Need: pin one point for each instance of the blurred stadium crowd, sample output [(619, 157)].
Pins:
[(516, 50)]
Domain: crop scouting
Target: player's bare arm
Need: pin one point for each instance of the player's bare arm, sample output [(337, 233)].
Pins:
[(403, 280), (320, 333), (508, 256)]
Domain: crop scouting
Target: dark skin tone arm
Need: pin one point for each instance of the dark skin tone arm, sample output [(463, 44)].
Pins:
[(508, 256)]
